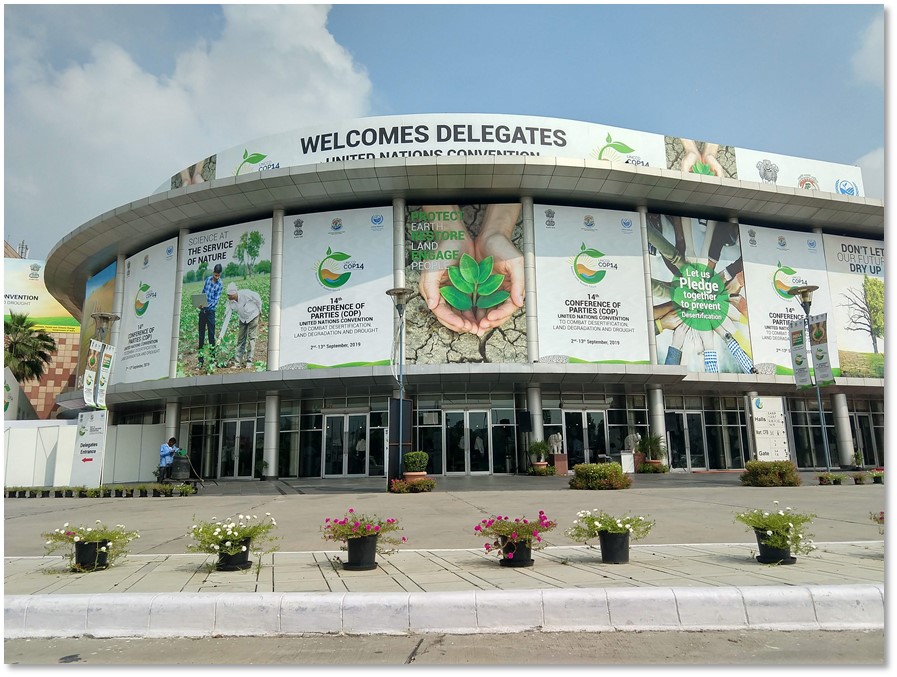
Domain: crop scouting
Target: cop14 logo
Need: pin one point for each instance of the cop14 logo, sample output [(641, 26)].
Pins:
[(142, 299), (784, 279), (336, 268)]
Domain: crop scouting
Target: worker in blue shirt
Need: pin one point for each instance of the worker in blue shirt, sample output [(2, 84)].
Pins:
[(166, 458), (212, 289)]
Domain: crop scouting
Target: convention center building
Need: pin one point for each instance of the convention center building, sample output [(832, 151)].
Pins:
[(510, 278)]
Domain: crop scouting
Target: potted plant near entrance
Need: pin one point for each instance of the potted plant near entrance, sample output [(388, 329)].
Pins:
[(414, 465), (513, 540), (654, 447), (362, 537), (90, 548), (231, 540), (539, 454), (613, 533), (780, 533)]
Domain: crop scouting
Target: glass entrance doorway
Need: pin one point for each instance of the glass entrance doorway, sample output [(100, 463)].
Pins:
[(467, 442), (585, 437), (345, 445), (686, 444), (864, 440), (237, 455)]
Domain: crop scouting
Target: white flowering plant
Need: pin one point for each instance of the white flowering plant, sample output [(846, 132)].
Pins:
[(116, 540), (781, 529), (589, 523), (227, 536)]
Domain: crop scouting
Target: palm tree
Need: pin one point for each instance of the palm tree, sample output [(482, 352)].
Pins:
[(27, 350)]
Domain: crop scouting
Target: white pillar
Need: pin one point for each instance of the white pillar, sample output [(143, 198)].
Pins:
[(656, 421), (646, 271), (272, 435), (534, 404), (749, 418), (530, 301), (178, 289), (172, 421), (842, 430), (275, 299)]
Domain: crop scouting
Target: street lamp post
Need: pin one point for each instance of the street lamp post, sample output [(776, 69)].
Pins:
[(804, 294), (399, 296)]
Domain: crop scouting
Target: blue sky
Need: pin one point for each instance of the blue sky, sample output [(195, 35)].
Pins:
[(104, 102)]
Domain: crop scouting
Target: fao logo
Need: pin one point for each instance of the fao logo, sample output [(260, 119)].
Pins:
[(626, 223), (846, 187), (146, 261), (377, 219), (336, 225)]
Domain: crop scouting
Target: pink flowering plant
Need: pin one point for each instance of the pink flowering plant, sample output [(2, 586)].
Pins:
[(504, 530), (879, 519), (114, 540), (357, 525)]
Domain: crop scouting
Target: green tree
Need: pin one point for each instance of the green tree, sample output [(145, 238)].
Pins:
[(202, 270), (262, 267), (866, 309), (247, 251), (233, 270), (190, 277), (27, 350)]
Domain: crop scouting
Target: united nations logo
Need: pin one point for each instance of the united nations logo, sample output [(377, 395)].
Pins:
[(846, 187), (377, 219), (589, 221), (811, 244), (782, 241), (169, 251), (626, 223)]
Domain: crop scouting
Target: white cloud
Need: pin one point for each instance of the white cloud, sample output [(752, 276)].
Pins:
[(873, 167), (95, 135), (869, 59)]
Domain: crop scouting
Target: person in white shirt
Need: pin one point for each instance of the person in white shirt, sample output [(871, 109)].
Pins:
[(248, 307)]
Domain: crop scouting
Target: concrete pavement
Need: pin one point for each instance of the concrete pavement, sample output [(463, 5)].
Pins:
[(695, 571)]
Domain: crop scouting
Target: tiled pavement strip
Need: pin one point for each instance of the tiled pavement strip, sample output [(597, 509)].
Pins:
[(664, 586)]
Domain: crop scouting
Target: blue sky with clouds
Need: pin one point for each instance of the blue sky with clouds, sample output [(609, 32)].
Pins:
[(104, 102)]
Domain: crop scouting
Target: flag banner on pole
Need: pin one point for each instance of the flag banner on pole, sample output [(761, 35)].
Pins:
[(822, 366), (90, 372), (799, 362), (105, 370)]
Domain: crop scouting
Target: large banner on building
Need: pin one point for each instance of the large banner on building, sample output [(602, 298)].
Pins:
[(212, 340), (856, 269), (144, 343), (98, 298), (25, 293), (337, 269), (776, 260), (700, 318), (474, 135), (591, 286), (465, 265)]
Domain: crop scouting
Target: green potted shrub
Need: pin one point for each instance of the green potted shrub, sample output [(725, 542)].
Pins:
[(859, 477), (514, 539), (599, 476), (613, 533), (653, 446), (414, 465), (779, 533), (538, 452), (770, 474)]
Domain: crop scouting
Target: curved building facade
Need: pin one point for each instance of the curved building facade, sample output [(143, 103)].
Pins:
[(563, 279)]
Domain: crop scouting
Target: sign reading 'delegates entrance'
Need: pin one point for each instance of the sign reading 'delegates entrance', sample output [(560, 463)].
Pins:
[(90, 447), (770, 434), (590, 284), (337, 268)]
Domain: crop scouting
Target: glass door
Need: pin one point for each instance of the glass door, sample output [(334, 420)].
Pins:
[(467, 442), (345, 445), (585, 437), (237, 455), (686, 444), (863, 439)]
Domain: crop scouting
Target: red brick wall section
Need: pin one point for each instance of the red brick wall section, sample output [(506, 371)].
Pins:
[(60, 376)]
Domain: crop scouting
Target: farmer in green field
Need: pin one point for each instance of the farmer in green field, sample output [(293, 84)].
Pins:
[(248, 306), (212, 289)]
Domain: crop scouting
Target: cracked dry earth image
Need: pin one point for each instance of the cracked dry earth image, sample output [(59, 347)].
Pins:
[(429, 342)]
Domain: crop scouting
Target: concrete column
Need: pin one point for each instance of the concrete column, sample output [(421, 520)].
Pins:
[(656, 421), (272, 435), (178, 288), (172, 421), (398, 246), (529, 275), (752, 448), (646, 271), (275, 299), (118, 297), (534, 405), (844, 440)]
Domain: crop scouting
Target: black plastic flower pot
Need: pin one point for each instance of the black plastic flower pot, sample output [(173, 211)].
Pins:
[(236, 562), (770, 555), (89, 556), (362, 553), (614, 547), (515, 553)]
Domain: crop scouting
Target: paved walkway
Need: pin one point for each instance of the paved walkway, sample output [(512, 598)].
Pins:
[(678, 577)]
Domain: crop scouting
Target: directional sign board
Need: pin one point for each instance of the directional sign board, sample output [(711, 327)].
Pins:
[(90, 447)]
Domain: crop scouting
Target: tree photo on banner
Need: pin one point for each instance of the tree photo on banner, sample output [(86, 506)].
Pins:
[(233, 313), (335, 311), (465, 263), (856, 323), (775, 260), (98, 297), (700, 316), (591, 286)]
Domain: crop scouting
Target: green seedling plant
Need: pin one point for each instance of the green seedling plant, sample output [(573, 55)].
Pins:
[(249, 158), (474, 285), (702, 168)]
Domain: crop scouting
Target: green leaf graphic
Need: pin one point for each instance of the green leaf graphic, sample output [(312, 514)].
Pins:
[(620, 147), (493, 300), (469, 268), (339, 256), (594, 253), (455, 298), (458, 280), (788, 271), (490, 285), (144, 287), (255, 158), (485, 270)]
